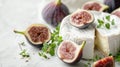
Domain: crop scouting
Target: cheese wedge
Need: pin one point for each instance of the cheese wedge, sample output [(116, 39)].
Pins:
[(107, 40), (69, 32)]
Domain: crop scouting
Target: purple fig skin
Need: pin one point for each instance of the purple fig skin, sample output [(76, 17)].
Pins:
[(78, 58), (113, 4), (117, 3), (53, 13), (80, 53)]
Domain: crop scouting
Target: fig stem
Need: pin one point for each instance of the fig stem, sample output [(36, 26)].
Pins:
[(58, 2), (20, 32), (83, 44)]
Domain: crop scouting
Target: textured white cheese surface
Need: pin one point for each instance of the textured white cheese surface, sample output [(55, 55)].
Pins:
[(69, 32), (114, 29)]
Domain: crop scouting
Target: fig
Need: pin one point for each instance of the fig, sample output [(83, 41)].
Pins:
[(94, 5), (36, 34), (113, 4), (116, 12), (69, 52), (81, 18), (54, 12), (105, 62)]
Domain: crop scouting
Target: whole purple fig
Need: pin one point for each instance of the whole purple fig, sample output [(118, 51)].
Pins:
[(54, 12), (113, 4)]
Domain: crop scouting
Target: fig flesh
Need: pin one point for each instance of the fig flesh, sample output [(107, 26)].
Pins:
[(69, 52), (81, 18), (94, 5), (36, 34), (54, 12), (105, 62), (116, 12)]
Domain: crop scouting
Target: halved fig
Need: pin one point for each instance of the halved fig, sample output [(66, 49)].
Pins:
[(105, 62), (69, 52), (81, 18), (36, 34), (116, 12), (94, 5)]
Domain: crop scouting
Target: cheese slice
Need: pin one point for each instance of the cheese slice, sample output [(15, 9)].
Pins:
[(69, 32), (107, 40)]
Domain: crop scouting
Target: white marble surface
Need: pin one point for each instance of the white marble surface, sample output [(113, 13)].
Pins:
[(19, 14)]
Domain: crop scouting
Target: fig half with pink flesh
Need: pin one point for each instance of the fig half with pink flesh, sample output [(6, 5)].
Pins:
[(81, 18), (116, 12), (94, 5), (105, 62), (69, 52), (36, 34)]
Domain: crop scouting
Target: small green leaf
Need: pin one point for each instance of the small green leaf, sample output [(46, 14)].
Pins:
[(108, 17), (101, 22), (43, 55), (59, 40), (98, 26), (52, 52), (45, 47), (107, 25), (117, 57), (85, 65), (113, 22), (22, 43), (110, 54)]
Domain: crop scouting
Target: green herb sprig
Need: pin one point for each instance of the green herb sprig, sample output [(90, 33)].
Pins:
[(24, 53), (22, 43), (117, 57), (108, 24), (96, 58), (49, 48)]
